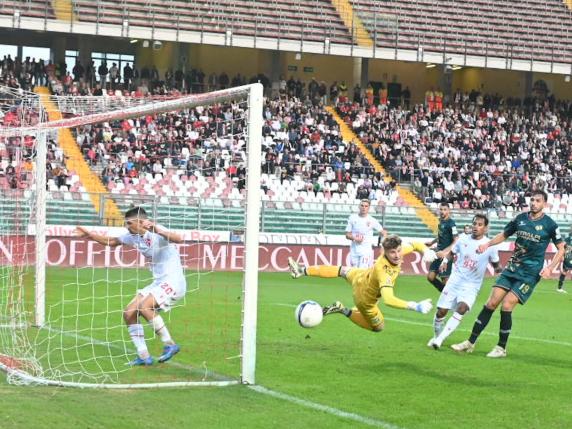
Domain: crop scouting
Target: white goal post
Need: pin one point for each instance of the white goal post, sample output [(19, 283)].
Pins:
[(20, 328)]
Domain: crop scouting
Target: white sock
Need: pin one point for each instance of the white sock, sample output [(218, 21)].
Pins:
[(138, 337), (161, 329), (437, 325), (452, 324)]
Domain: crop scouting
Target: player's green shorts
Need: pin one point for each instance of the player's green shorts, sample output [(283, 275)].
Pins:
[(521, 286), (434, 267), (567, 265)]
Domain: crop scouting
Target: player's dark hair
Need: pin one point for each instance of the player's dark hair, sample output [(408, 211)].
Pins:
[(539, 192), (391, 242), (136, 212), (444, 204), (483, 217)]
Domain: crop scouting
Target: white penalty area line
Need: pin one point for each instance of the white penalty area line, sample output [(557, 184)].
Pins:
[(429, 325), (324, 408)]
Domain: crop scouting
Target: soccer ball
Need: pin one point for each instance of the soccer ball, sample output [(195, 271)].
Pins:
[(308, 314)]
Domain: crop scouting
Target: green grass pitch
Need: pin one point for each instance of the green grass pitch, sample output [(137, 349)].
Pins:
[(389, 379)]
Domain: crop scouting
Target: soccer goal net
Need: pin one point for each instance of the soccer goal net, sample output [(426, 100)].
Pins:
[(193, 164)]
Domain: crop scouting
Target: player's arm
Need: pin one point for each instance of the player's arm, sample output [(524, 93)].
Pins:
[(429, 255), (391, 300), (497, 267), (497, 239), (414, 246), (448, 253), (381, 230), (104, 240), (446, 257), (431, 243), (441, 254), (349, 235), (509, 229), (494, 260), (546, 272), (170, 236), (382, 234)]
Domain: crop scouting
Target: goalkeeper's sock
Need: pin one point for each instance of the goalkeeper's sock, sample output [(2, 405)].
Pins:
[(138, 337), (480, 324), (505, 327), (561, 280), (324, 271), (161, 329), (438, 284), (452, 324), (438, 325)]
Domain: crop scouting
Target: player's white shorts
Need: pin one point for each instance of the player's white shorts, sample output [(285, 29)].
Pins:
[(166, 291), (362, 261), (454, 293)]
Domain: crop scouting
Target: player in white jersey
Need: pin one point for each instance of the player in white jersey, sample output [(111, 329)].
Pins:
[(359, 230), (466, 279), (169, 284)]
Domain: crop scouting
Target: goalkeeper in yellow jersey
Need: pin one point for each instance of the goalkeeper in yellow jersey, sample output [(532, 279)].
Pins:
[(370, 284)]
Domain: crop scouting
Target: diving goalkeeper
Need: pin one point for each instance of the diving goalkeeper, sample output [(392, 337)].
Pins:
[(370, 284)]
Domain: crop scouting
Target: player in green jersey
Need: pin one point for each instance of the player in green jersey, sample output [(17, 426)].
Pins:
[(534, 231), (445, 240), (566, 263)]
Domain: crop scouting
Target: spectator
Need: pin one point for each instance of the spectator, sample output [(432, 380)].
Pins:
[(114, 75), (103, 71), (127, 76)]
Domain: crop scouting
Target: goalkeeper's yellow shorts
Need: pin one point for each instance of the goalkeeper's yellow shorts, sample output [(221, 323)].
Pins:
[(364, 302)]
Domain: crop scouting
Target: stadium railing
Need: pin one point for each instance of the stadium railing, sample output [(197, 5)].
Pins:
[(276, 216)]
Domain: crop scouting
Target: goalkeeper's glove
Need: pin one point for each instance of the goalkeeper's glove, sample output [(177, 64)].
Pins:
[(429, 256), (424, 306)]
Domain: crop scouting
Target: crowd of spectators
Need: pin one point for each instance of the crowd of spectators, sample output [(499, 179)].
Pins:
[(480, 151), (299, 140), (17, 153), (97, 79), (25, 74), (473, 150), (17, 163)]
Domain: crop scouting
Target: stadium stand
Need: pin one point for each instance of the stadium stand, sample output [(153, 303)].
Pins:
[(456, 155), (31, 8), (200, 154), (192, 174), (436, 153), (530, 30), (270, 18)]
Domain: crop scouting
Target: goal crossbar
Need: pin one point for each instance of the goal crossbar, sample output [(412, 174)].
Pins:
[(152, 106)]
